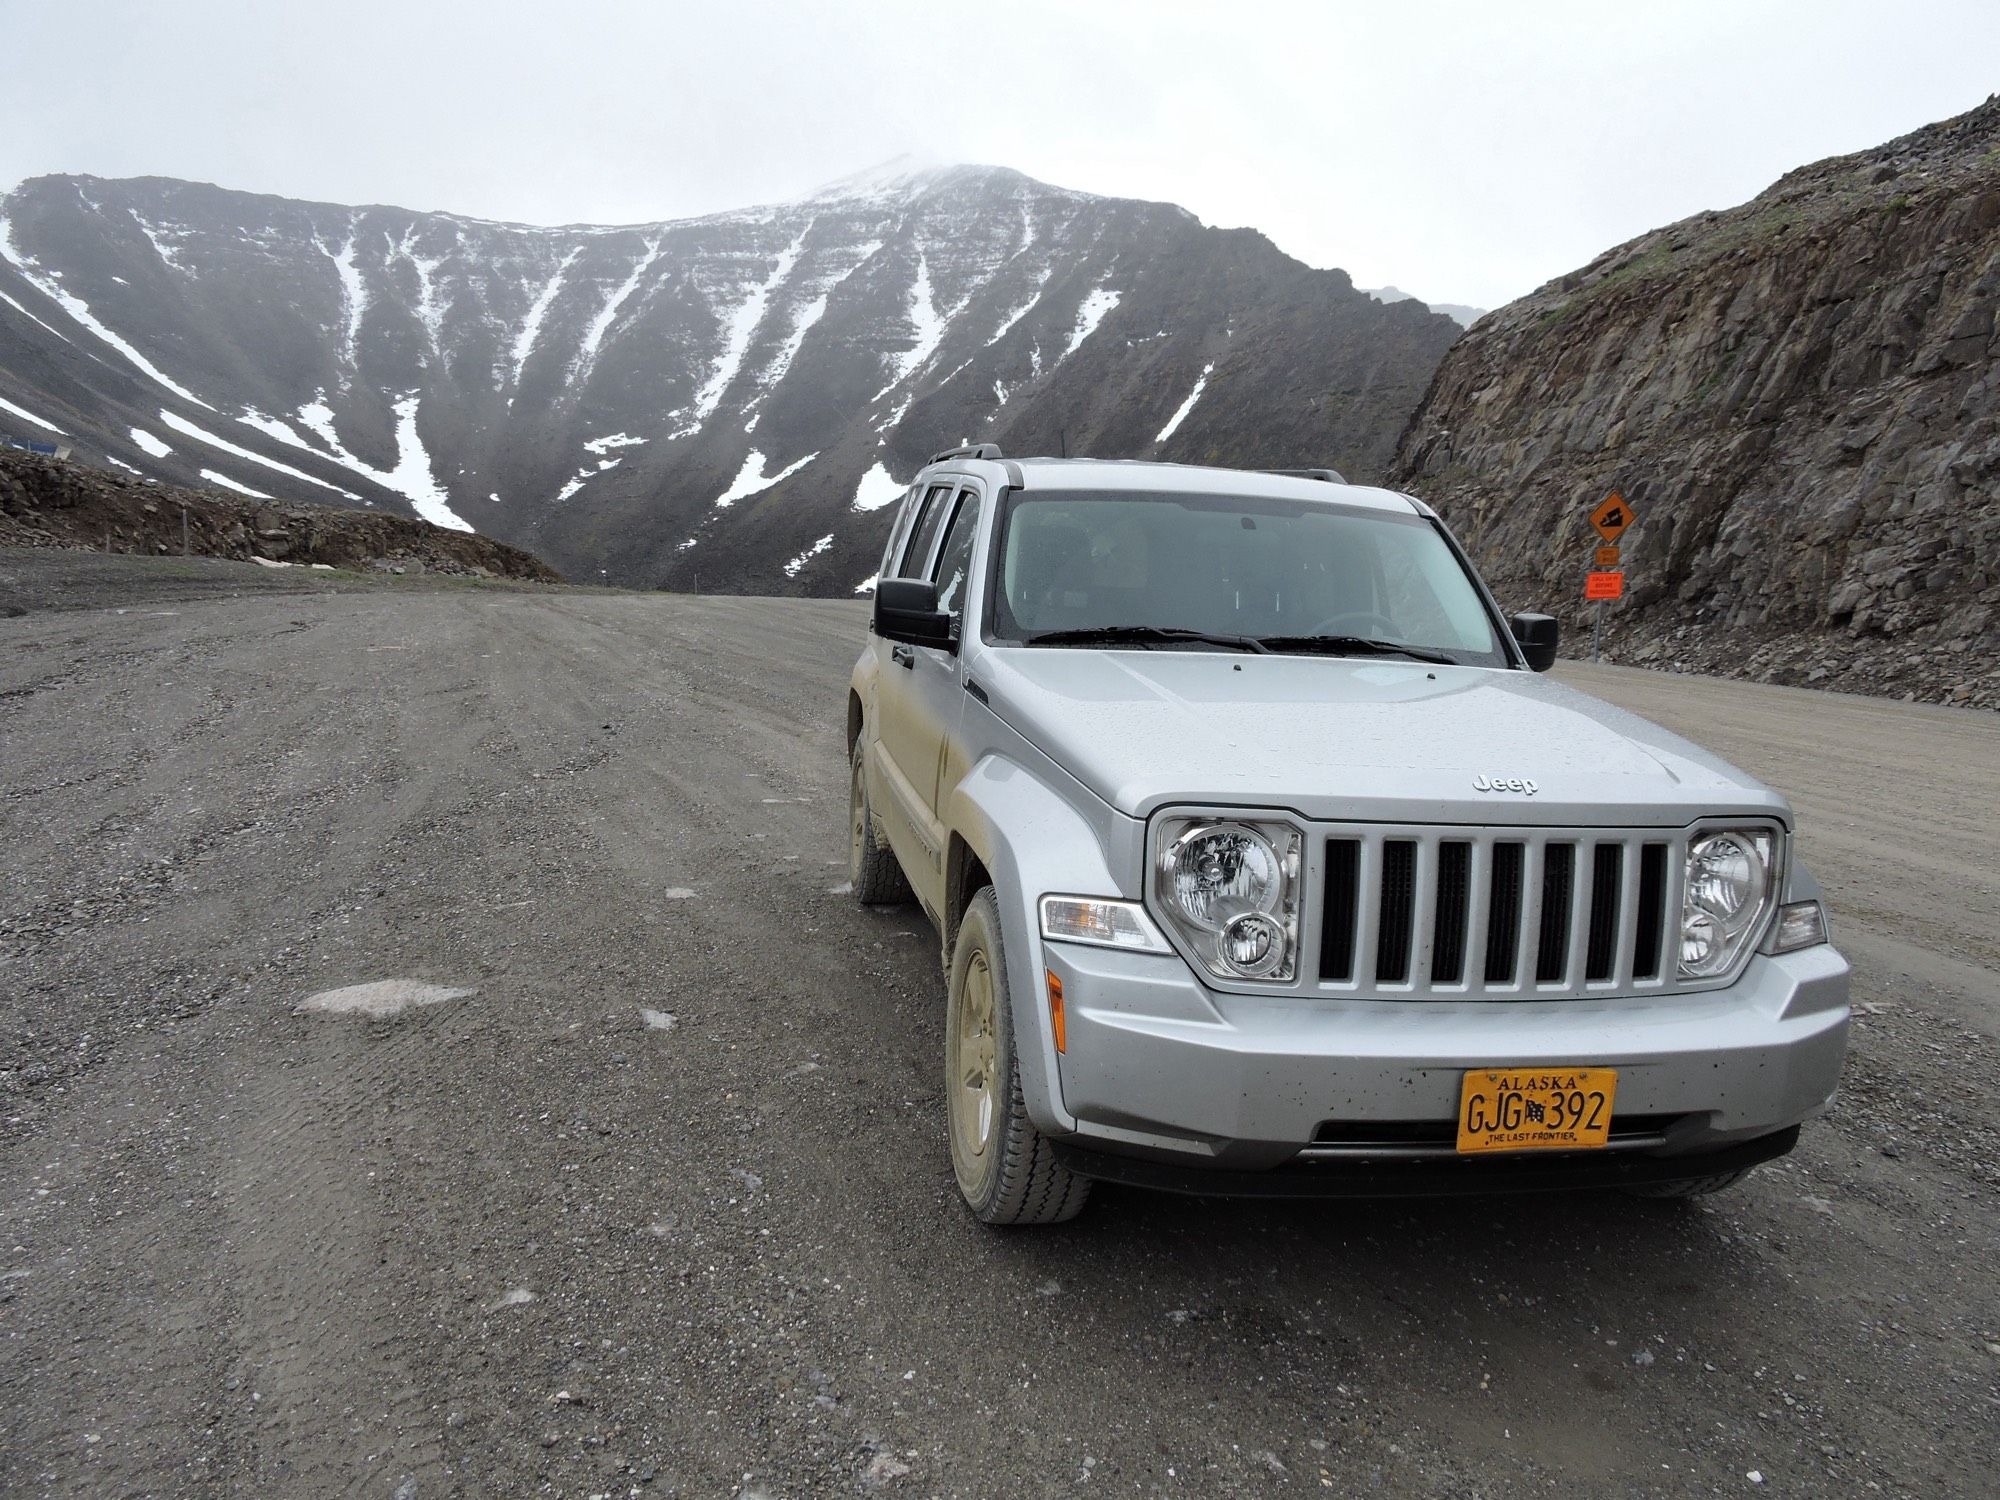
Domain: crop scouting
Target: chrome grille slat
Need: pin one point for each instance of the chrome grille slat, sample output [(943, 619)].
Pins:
[(1494, 962)]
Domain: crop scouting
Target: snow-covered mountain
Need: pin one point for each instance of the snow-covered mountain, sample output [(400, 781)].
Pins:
[(723, 402)]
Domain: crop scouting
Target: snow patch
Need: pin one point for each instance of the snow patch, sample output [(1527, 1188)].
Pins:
[(353, 296), (1180, 412), (593, 336), (751, 479), (119, 463), (31, 317), (743, 325), (531, 326), (414, 477), (926, 323), (1095, 306), (584, 475), (1007, 325), (877, 489), (160, 247), (27, 416), (797, 564), (867, 585), (429, 312), (229, 484), (601, 446), (283, 431), (186, 428), (149, 443), (78, 309)]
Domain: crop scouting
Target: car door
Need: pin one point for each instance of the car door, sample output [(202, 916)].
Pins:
[(904, 783), (921, 697)]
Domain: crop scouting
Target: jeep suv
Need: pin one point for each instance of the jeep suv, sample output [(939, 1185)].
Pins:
[(1266, 862)]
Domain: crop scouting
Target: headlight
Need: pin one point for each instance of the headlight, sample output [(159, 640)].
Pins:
[(1726, 899), (1230, 889)]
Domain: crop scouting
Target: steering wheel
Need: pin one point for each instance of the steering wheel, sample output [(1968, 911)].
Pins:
[(1342, 623)]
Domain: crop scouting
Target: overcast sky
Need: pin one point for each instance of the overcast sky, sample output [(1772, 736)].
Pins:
[(1466, 152)]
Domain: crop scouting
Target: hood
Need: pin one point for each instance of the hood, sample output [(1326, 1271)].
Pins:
[(1346, 739)]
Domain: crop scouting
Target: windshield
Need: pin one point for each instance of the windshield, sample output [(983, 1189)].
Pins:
[(1257, 569)]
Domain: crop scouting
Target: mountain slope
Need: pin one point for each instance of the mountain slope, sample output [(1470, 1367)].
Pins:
[(719, 402), (1801, 399)]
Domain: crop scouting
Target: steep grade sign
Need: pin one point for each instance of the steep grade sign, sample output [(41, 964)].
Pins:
[(1611, 517)]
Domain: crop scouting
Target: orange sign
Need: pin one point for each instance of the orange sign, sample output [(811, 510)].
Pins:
[(1604, 585), (1611, 517), (1607, 557)]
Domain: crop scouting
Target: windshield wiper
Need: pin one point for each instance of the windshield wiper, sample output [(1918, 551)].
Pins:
[(1141, 635), (1353, 645)]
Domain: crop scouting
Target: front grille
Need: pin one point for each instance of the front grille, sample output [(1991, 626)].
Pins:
[(1493, 911)]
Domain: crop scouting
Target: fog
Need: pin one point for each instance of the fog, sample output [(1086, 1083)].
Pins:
[(1464, 152)]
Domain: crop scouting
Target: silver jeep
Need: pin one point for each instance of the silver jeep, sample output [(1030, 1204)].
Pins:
[(1265, 862)]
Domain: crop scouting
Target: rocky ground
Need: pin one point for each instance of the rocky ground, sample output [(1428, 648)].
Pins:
[(659, 1204), (48, 502)]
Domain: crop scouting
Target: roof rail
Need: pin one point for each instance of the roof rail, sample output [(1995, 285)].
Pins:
[(970, 450), (1329, 476)]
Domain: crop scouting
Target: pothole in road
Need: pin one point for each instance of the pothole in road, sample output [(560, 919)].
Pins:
[(380, 1000)]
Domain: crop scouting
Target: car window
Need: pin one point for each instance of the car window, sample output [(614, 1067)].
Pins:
[(929, 518), (955, 557), (906, 512)]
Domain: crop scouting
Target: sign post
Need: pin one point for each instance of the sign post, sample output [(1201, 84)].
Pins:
[(1606, 580)]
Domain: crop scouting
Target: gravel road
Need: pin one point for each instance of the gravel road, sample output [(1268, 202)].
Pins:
[(662, 1205)]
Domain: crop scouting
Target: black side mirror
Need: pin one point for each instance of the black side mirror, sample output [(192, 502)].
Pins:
[(1536, 635), (906, 610)]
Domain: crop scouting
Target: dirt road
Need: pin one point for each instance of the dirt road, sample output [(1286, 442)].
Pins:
[(663, 1207)]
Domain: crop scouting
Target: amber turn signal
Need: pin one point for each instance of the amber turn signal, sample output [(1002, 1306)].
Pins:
[(1056, 1012)]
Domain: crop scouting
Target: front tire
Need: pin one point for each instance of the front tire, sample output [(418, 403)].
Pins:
[(871, 866), (1689, 1187), (1006, 1169)]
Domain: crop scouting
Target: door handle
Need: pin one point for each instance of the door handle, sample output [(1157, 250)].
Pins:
[(904, 656)]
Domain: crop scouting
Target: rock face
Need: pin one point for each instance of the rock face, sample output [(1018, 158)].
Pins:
[(1799, 396), (46, 502), (725, 402)]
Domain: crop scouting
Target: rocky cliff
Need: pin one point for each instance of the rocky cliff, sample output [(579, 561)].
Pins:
[(1801, 400), (725, 402)]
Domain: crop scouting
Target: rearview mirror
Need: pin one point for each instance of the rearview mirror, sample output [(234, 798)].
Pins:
[(906, 610), (1537, 635)]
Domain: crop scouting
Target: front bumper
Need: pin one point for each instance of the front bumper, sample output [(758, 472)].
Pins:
[(1161, 1068)]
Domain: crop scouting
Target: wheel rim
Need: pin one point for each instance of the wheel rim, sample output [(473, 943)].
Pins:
[(974, 1092), (857, 821)]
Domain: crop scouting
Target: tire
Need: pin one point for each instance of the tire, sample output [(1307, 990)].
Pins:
[(871, 865), (1006, 1169), (1689, 1187)]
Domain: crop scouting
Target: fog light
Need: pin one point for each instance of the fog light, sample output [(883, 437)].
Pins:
[(1800, 925), (1253, 944)]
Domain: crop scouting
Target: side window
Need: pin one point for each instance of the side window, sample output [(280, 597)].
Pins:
[(906, 510), (955, 557), (929, 518)]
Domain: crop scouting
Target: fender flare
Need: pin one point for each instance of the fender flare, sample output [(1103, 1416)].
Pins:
[(1031, 841)]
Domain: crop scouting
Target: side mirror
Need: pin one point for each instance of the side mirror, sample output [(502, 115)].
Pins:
[(1537, 635), (906, 610)]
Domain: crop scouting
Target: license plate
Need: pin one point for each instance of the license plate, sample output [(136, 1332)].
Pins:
[(1536, 1109)]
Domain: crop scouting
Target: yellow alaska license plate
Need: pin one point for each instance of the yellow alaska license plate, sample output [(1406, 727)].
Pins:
[(1536, 1109)]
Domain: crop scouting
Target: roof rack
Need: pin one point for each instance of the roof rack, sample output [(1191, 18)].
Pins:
[(970, 450), (1328, 476)]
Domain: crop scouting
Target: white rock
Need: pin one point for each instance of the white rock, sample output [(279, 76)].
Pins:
[(380, 1000)]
